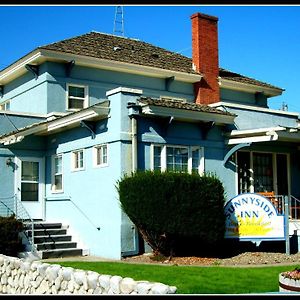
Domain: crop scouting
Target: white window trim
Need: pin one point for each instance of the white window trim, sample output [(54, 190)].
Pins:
[(163, 160), (274, 164), (73, 169), (86, 96), (4, 105), (53, 190), (95, 149)]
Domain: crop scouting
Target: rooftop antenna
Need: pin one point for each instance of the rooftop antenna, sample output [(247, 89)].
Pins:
[(284, 106), (119, 21)]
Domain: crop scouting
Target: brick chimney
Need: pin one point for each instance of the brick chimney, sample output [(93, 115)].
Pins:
[(205, 57)]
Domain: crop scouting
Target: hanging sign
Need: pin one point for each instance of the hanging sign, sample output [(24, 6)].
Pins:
[(251, 217)]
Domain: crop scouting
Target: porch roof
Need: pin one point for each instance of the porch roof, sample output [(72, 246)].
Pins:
[(184, 111), (278, 133), (95, 112)]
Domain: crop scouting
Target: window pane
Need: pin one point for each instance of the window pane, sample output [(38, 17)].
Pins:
[(58, 182), (104, 152), (76, 91), (177, 159), (58, 164), (157, 158), (75, 103), (29, 191), (195, 160), (78, 160), (30, 171), (263, 172)]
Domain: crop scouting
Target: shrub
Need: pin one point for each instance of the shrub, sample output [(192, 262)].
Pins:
[(172, 209), (10, 241)]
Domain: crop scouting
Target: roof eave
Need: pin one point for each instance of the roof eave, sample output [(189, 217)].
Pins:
[(186, 115), (41, 55), (92, 113), (250, 88)]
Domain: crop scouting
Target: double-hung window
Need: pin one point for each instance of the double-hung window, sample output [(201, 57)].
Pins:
[(78, 160), (100, 156), (57, 173), (187, 159), (5, 105), (77, 97)]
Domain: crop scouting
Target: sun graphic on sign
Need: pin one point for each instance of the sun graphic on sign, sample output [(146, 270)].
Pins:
[(248, 226)]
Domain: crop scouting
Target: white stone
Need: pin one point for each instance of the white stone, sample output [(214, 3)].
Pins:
[(43, 288), (127, 285), (41, 269), (4, 289), (97, 290), (52, 272), (143, 287), (53, 290), (21, 280), (79, 277), (159, 288), (1, 260), (92, 280), (64, 284), (70, 285), (25, 266), (4, 279), (115, 284), (67, 273), (57, 282), (34, 265), (16, 264), (10, 281), (8, 270), (104, 281)]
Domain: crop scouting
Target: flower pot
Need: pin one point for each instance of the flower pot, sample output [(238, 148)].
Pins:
[(288, 284)]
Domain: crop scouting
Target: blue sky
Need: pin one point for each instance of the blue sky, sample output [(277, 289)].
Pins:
[(262, 42)]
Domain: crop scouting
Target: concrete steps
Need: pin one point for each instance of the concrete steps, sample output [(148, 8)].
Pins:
[(52, 241)]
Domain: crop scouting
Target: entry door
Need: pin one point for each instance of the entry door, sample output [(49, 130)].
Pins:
[(30, 185)]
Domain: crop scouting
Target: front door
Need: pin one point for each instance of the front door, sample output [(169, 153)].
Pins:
[(30, 185)]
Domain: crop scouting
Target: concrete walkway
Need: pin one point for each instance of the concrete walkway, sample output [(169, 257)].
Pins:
[(79, 258)]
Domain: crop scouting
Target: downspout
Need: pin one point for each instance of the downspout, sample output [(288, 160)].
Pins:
[(134, 110), (134, 151)]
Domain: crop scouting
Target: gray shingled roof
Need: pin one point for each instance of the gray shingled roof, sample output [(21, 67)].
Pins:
[(182, 105), (111, 47)]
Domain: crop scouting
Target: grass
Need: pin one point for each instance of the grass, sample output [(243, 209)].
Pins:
[(194, 280)]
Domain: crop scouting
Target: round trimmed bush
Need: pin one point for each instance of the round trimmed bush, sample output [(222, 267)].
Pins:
[(174, 212)]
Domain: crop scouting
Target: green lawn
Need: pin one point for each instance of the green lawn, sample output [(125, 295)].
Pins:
[(195, 280)]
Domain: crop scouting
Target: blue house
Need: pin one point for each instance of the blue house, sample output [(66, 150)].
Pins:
[(78, 114)]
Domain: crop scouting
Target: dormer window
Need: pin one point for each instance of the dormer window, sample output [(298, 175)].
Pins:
[(5, 105), (77, 97)]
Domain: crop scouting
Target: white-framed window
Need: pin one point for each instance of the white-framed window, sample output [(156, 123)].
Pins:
[(101, 155), (77, 97), (176, 158), (57, 173), (5, 105), (77, 160)]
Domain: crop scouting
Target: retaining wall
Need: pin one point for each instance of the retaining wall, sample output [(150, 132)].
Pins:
[(18, 276)]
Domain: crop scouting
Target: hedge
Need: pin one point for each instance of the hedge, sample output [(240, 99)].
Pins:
[(10, 241), (172, 209)]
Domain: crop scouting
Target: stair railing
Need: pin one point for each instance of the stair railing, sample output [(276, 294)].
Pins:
[(13, 206), (69, 199), (294, 207)]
